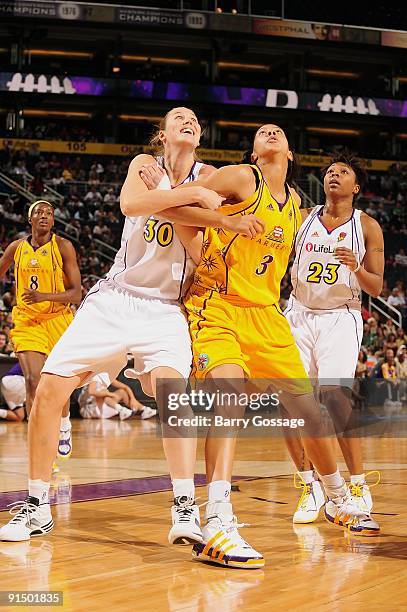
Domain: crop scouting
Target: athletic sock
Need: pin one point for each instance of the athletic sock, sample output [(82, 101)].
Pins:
[(219, 490), (65, 423), (3, 413), (183, 487), (358, 479), (39, 489), (334, 485), (307, 476)]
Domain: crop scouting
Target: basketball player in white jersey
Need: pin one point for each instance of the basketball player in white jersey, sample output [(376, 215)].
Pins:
[(339, 251), (135, 309)]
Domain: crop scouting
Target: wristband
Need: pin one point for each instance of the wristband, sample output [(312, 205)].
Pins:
[(356, 269)]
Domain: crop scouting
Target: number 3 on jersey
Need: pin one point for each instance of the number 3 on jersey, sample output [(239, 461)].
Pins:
[(163, 233), (265, 262), (316, 269)]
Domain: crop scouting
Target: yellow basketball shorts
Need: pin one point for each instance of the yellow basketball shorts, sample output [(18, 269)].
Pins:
[(257, 338), (38, 335)]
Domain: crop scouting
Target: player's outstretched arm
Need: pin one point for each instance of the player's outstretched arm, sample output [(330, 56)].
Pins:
[(136, 199), (232, 183), (8, 257), (370, 272)]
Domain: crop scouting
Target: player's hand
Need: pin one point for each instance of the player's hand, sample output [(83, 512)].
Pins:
[(151, 175), (33, 297), (246, 225), (209, 199), (346, 257)]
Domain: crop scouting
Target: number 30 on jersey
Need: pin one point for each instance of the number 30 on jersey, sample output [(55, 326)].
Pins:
[(162, 232)]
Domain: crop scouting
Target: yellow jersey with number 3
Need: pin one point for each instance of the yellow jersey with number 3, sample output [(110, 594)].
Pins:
[(249, 271), (40, 270)]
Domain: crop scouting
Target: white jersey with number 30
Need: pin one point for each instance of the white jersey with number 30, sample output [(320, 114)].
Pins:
[(152, 261), (319, 281)]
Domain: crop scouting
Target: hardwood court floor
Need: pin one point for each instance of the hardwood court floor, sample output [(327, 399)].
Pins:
[(109, 547)]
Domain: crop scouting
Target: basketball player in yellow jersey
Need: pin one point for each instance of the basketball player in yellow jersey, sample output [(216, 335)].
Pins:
[(47, 280), (238, 330)]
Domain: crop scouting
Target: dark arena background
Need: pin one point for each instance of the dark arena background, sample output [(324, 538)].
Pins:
[(82, 85)]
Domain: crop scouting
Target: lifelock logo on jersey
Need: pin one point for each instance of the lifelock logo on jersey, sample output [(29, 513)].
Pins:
[(28, 83), (319, 248)]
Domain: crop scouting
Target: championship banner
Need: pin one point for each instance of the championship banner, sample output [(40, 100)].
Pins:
[(315, 31), (211, 94), (149, 17), (158, 18), (131, 150), (394, 39), (43, 10)]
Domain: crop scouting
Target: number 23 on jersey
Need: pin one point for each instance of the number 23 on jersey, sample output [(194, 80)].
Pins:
[(317, 272)]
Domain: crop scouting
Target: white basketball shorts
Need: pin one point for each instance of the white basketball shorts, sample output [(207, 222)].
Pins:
[(111, 323), (329, 343), (13, 390)]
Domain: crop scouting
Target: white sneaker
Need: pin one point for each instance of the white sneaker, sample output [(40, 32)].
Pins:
[(124, 413), (65, 444), (360, 493), (148, 412), (345, 513), (31, 519), (222, 543), (186, 522), (311, 501)]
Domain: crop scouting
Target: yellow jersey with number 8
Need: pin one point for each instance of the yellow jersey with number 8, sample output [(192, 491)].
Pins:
[(40, 270), (249, 271)]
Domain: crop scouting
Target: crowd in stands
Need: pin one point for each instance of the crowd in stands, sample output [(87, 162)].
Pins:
[(52, 131)]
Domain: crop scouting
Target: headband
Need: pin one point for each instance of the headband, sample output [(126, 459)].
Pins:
[(34, 204)]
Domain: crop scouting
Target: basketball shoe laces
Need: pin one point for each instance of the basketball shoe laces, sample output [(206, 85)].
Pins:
[(350, 504), (299, 483), (21, 511), (184, 510), (356, 490), (229, 526)]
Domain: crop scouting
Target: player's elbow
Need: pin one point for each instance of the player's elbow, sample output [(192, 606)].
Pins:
[(126, 207), (376, 289), (133, 208)]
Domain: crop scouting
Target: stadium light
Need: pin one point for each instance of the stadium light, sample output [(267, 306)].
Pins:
[(240, 66), (58, 53), (140, 117), (332, 73), (249, 124), (157, 60), (33, 112), (338, 131)]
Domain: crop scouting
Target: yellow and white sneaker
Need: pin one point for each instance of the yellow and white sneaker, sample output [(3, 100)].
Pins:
[(343, 512), (222, 543), (311, 501), (360, 493)]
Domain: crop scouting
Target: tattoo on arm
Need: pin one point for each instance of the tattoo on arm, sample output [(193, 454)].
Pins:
[(378, 250), (303, 460)]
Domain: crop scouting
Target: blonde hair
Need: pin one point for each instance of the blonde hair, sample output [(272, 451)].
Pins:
[(155, 141)]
